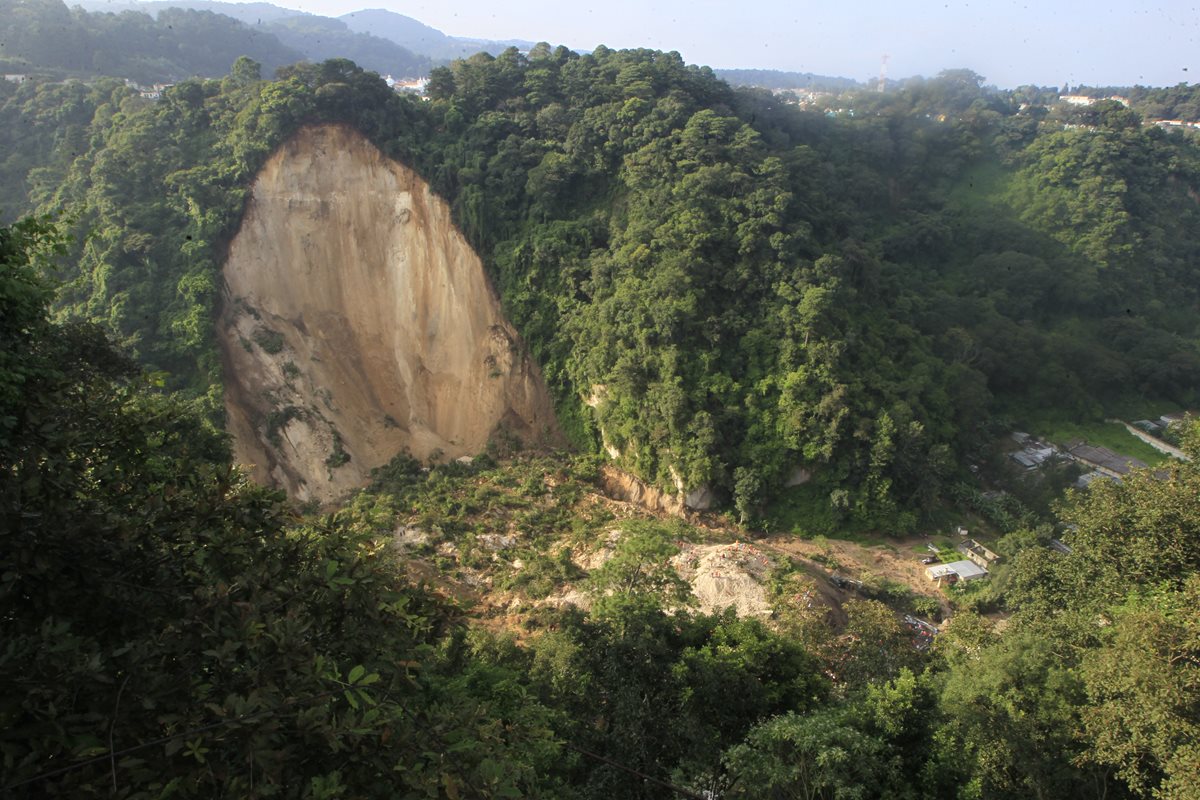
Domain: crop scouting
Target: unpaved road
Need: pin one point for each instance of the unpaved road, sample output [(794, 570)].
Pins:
[(896, 562)]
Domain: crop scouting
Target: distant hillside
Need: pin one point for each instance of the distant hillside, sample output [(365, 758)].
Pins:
[(404, 31), (778, 79), (179, 43), (165, 40), (726, 294), (327, 37), (420, 38), (320, 38), (249, 13)]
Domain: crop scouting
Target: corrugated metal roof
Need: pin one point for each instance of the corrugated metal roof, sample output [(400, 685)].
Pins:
[(967, 569)]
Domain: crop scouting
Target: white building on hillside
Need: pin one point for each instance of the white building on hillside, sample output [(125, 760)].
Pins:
[(955, 571)]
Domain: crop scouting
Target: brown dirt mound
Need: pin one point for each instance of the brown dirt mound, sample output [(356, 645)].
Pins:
[(725, 575)]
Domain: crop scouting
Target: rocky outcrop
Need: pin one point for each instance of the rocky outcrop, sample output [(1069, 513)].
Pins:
[(621, 485), (358, 322)]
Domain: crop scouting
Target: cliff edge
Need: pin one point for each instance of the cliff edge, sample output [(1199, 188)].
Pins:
[(357, 322)]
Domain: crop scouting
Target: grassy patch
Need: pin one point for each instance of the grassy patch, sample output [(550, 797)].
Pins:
[(946, 516), (1105, 434), (948, 555), (1135, 407)]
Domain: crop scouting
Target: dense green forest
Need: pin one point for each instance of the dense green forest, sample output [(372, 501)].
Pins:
[(1180, 102), (743, 289), (45, 37), (172, 630)]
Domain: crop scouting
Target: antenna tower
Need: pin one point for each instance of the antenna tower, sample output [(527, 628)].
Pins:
[(883, 72)]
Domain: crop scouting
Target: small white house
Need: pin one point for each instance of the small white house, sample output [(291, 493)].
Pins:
[(955, 571)]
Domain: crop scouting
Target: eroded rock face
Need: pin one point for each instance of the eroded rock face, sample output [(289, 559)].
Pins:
[(620, 485), (358, 322)]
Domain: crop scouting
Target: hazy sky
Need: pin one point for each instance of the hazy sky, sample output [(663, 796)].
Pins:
[(1046, 42)]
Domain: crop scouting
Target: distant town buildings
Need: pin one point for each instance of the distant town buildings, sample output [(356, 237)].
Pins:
[(1103, 460), (805, 98), (1172, 123), (151, 92), (1084, 100), (16, 77), (1033, 453), (406, 85)]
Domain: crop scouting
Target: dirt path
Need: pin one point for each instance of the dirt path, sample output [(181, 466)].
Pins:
[(830, 595), (894, 562)]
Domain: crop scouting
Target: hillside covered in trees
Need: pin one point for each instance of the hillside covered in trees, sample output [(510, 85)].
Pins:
[(741, 291), (45, 35), (170, 628), (726, 292), (173, 43)]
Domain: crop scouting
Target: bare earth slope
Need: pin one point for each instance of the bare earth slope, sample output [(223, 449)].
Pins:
[(357, 322)]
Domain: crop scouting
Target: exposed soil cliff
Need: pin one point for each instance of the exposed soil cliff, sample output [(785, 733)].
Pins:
[(358, 322), (620, 485)]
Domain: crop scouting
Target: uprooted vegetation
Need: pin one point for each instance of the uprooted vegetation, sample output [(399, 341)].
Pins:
[(516, 536)]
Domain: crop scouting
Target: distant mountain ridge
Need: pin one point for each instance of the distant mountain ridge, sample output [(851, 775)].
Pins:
[(421, 38), (319, 37), (47, 37), (249, 13), (395, 44)]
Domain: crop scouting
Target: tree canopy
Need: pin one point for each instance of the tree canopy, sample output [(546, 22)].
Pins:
[(742, 289), (170, 628)]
